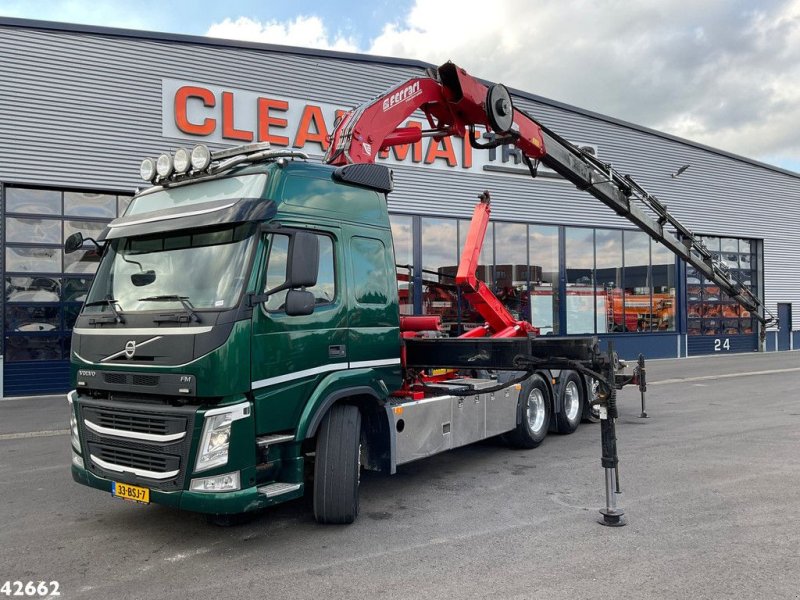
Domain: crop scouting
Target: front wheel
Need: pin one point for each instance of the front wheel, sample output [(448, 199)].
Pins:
[(337, 467), (535, 408), (572, 404)]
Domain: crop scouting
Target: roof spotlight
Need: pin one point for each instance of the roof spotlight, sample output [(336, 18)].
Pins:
[(147, 169), (164, 166), (182, 160), (201, 157)]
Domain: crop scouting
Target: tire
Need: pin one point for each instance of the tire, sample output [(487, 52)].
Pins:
[(337, 468), (573, 401), (534, 409)]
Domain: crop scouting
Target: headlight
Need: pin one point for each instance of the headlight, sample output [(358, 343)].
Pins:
[(147, 169), (229, 482), (182, 160), (73, 425), (200, 157), (216, 437), (164, 166)]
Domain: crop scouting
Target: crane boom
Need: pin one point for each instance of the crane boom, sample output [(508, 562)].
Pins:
[(454, 103)]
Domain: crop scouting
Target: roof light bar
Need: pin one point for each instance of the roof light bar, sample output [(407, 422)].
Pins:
[(201, 157), (164, 166), (147, 170)]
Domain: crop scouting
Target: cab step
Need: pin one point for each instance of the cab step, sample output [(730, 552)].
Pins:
[(278, 489), (276, 438)]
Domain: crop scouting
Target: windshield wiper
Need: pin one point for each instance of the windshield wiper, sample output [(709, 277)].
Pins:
[(184, 300), (111, 302)]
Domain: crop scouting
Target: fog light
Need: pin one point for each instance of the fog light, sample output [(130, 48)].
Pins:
[(182, 161), (201, 157), (147, 169), (77, 460), (164, 165), (229, 482)]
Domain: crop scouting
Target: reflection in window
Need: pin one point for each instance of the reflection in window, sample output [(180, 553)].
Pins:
[(544, 278), (33, 231), (32, 289), (87, 204), (580, 300), (32, 319), (33, 260), (75, 289), (369, 271), (638, 313), (325, 289), (608, 255), (23, 200), (47, 347), (511, 269), (663, 278), (470, 317), (403, 234), (439, 265)]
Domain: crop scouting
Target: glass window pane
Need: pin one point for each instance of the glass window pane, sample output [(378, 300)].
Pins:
[(276, 270), (369, 272), (32, 318), (33, 231), (511, 269), (663, 275), (608, 255), (71, 312), (87, 258), (26, 200), (543, 241), (638, 309), (729, 245), (32, 289), (579, 243), (33, 260), (439, 265), (75, 289), (122, 204), (87, 204), (402, 233), (21, 347)]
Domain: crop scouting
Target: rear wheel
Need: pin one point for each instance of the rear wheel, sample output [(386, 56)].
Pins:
[(572, 404), (337, 467), (535, 408)]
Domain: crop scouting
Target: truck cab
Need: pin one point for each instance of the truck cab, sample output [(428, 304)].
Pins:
[(233, 306)]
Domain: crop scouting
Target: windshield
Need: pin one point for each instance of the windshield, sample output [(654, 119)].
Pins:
[(200, 269), (244, 186)]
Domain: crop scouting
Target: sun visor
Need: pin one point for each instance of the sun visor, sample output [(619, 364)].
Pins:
[(199, 215)]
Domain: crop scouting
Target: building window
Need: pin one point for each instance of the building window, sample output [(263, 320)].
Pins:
[(709, 310), (403, 237), (439, 240), (44, 287), (580, 298), (544, 269)]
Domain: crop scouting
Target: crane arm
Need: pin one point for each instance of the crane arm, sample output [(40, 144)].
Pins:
[(454, 103)]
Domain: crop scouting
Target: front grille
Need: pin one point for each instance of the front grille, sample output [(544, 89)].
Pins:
[(136, 422), (137, 459), (131, 379), (132, 453)]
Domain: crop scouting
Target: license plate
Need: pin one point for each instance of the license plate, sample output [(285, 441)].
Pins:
[(131, 492)]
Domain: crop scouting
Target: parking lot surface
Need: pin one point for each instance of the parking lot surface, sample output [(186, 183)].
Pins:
[(711, 490)]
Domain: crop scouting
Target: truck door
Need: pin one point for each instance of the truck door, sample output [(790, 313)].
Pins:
[(292, 354)]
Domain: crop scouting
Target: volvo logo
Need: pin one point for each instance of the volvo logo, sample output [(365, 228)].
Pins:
[(130, 348)]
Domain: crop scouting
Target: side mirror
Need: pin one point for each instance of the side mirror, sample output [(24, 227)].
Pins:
[(144, 278), (299, 303), (303, 260), (73, 243)]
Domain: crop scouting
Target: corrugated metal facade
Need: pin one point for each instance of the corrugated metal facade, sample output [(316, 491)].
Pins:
[(80, 109)]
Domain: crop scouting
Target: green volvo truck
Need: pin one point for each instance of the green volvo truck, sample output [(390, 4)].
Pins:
[(244, 321)]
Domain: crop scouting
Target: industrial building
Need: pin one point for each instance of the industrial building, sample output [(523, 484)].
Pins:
[(82, 106)]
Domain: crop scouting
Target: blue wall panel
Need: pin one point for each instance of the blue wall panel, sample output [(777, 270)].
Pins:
[(35, 377), (653, 345), (723, 344)]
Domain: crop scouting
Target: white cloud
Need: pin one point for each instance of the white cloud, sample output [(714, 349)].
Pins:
[(308, 32), (721, 72)]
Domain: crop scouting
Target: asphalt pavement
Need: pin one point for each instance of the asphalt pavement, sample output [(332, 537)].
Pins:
[(711, 490)]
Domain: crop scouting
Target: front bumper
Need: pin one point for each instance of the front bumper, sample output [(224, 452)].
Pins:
[(222, 503)]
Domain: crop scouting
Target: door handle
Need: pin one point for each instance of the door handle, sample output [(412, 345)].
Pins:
[(337, 351)]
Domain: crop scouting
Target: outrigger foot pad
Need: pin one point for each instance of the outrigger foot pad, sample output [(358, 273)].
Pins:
[(612, 518)]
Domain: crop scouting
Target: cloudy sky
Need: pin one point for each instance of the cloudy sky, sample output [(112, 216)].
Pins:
[(721, 72)]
